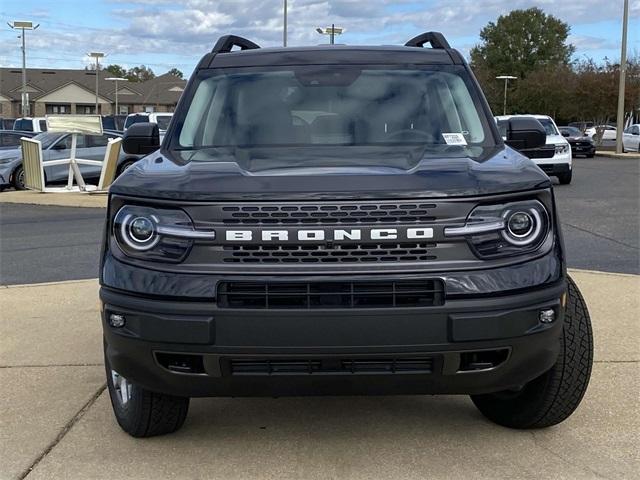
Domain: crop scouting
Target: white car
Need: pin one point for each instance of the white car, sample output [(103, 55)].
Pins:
[(631, 138), (30, 124), (162, 119), (608, 132), (555, 158)]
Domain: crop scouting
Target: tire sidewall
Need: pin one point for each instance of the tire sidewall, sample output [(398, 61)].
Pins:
[(126, 415), (18, 178)]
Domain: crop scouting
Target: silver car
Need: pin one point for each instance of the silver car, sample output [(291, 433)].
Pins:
[(57, 146)]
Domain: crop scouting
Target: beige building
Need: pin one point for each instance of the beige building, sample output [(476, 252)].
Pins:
[(55, 91)]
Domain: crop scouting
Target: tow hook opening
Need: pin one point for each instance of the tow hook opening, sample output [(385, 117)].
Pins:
[(482, 360), (181, 363)]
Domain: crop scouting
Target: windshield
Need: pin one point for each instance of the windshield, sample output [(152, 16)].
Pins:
[(548, 125), (317, 107), (23, 125), (163, 121), (571, 131), (135, 119), (47, 138)]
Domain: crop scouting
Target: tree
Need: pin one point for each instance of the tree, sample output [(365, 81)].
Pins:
[(116, 70), (521, 42), (176, 73), (140, 74)]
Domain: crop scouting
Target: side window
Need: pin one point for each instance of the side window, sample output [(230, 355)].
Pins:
[(98, 140), (10, 140), (66, 141), (635, 130), (43, 125)]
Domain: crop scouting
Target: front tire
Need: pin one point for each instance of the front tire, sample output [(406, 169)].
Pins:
[(554, 396), (565, 178), (140, 412), (18, 178)]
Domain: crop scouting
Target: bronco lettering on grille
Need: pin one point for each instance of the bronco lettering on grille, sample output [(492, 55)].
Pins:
[(315, 235)]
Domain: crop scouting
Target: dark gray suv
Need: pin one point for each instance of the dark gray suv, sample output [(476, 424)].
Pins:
[(338, 220)]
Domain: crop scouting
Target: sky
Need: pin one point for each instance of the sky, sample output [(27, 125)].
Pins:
[(175, 33)]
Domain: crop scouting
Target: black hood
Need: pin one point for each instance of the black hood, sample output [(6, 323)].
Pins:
[(496, 170)]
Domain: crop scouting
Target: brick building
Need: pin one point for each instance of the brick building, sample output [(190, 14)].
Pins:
[(54, 91)]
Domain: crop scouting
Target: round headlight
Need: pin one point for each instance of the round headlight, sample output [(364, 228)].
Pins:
[(520, 224), (141, 229), (139, 232), (523, 227)]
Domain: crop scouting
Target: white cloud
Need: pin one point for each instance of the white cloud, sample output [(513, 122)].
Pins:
[(155, 29)]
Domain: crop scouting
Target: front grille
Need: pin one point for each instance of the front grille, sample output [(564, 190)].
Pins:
[(543, 152), (316, 295), (330, 366), (336, 253), (546, 168), (353, 214)]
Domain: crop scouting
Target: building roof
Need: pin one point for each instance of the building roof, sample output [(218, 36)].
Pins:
[(164, 89)]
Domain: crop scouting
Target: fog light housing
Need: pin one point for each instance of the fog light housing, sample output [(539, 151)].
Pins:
[(547, 316), (116, 320)]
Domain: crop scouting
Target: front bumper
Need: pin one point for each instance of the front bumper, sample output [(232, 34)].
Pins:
[(466, 346), (555, 169), (588, 149), (5, 174)]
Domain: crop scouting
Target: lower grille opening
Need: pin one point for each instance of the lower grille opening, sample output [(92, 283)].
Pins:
[(313, 295), (330, 366), (482, 360), (181, 363)]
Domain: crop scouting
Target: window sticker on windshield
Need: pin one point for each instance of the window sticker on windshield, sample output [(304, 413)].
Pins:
[(454, 139)]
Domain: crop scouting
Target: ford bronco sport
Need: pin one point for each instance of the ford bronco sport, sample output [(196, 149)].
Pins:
[(338, 220)]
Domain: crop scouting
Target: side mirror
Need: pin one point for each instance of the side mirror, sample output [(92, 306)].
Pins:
[(565, 134), (524, 133), (59, 146), (141, 138)]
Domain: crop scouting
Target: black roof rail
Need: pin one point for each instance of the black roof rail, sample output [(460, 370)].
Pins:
[(227, 42), (436, 39)]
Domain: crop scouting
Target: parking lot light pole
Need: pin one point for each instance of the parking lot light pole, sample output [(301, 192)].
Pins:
[(97, 56), (623, 74), (332, 31), (284, 26), (506, 79), (17, 25), (116, 79)]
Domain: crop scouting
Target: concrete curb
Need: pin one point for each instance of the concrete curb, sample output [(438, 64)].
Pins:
[(624, 156), (72, 199), (44, 284)]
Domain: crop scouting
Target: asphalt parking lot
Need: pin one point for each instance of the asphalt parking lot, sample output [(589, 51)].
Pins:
[(598, 211)]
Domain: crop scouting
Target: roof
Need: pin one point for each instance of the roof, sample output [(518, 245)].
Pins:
[(42, 81), (534, 115), (165, 89), (333, 55)]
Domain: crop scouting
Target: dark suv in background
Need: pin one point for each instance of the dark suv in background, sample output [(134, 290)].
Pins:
[(581, 143), (338, 220)]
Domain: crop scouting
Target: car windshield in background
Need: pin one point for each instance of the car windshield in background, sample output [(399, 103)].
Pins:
[(322, 107), (23, 125), (163, 121), (47, 138), (135, 119), (548, 125), (571, 131)]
